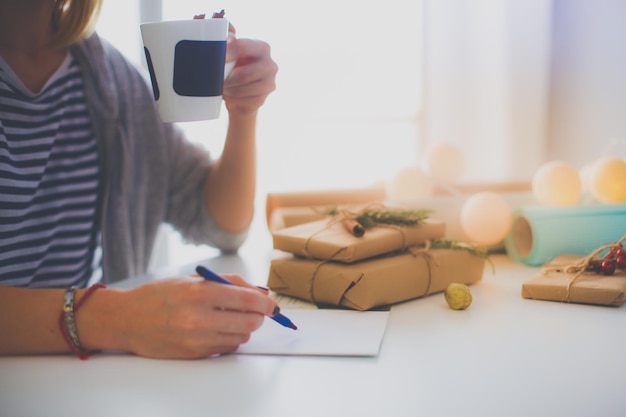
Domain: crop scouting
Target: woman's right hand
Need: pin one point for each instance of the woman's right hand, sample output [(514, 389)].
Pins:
[(182, 317)]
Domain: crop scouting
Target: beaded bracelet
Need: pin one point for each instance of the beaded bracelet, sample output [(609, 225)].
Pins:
[(67, 319)]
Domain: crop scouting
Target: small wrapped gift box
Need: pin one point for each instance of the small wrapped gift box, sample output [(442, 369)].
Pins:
[(552, 283), (374, 282), (330, 240)]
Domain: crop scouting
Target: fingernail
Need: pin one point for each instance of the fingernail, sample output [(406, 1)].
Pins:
[(276, 311)]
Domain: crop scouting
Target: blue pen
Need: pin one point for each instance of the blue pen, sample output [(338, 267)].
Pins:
[(212, 276)]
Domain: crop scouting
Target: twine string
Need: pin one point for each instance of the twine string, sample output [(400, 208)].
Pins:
[(314, 276), (579, 267), (424, 251), (308, 240), (344, 213), (415, 251)]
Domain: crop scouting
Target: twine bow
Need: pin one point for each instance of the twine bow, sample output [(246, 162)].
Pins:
[(579, 267), (424, 251), (349, 218)]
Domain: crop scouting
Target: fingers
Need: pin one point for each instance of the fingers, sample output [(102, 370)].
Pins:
[(242, 297), (253, 77), (252, 55), (237, 280), (195, 348), (247, 96), (234, 323), (240, 281), (219, 331), (248, 299)]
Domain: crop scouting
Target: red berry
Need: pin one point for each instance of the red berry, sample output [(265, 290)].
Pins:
[(621, 261), (615, 252), (608, 266)]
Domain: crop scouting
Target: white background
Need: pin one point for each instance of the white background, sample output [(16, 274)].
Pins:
[(365, 87)]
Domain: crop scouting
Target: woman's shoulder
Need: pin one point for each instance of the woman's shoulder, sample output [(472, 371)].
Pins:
[(107, 71), (100, 52)]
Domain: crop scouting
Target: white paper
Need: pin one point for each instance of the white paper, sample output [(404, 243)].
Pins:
[(320, 333)]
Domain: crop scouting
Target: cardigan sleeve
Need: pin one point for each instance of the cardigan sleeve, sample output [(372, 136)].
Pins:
[(152, 173), (186, 209), (174, 172)]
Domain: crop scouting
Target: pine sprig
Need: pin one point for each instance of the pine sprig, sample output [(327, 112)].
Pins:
[(457, 245), (394, 217), (399, 217)]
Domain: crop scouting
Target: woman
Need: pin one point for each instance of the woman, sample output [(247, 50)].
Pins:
[(88, 172)]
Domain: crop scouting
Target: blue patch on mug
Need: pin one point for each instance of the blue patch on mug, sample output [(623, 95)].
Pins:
[(199, 68), (153, 80)]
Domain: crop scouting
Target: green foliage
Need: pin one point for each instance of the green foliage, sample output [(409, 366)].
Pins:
[(394, 217), (399, 217), (457, 245)]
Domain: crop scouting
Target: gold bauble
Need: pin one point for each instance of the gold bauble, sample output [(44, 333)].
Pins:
[(458, 296)]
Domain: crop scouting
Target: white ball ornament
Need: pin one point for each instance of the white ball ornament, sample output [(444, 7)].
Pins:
[(444, 162), (607, 181), (556, 183), (409, 183), (486, 218)]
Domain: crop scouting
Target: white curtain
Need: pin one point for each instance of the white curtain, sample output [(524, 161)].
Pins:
[(588, 80), (486, 83), (515, 83)]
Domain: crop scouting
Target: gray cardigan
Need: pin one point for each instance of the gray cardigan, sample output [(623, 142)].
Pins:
[(150, 173)]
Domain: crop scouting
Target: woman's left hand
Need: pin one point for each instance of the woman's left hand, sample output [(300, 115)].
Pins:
[(252, 79)]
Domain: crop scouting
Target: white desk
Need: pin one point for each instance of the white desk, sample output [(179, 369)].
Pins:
[(504, 356)]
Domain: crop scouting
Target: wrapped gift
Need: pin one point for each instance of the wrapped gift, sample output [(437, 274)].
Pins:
[(330, 240), (374, 282), (552, 283), (283, 217)]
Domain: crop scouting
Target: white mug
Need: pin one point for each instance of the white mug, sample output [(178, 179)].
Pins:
[(187, 65)]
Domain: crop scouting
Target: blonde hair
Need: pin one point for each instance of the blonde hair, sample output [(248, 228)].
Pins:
[(74, 20)]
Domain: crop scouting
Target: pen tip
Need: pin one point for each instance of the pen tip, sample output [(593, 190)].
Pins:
[(293, 326)]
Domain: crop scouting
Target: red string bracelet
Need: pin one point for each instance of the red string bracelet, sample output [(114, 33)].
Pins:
[(67, 320)]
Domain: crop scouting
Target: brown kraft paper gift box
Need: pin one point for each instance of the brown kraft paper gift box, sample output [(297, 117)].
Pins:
[(328, 240), (588, 288), (374, 282)]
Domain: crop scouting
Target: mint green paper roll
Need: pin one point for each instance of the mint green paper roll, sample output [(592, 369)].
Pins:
[(540, 234)]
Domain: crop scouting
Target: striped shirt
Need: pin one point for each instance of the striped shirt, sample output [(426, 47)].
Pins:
[(48, 182)]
